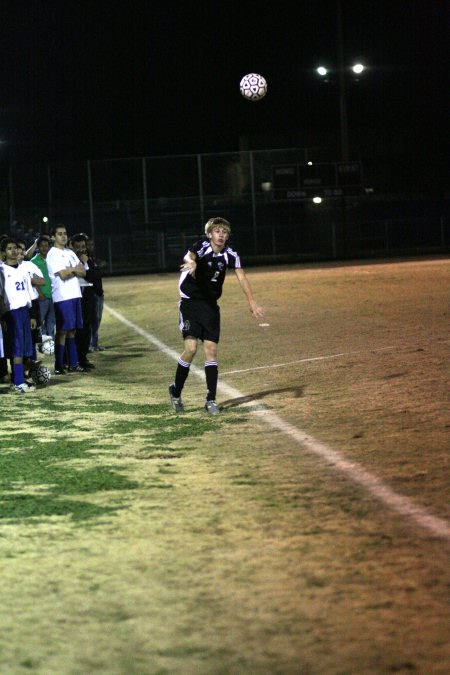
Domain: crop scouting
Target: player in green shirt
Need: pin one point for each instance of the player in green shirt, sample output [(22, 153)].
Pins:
[(45, 291)]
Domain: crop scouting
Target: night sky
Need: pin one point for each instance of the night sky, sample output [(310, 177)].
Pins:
[(100, 79)]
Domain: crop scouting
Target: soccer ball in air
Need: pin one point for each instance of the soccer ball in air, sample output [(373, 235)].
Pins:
[(40, 375), (253, 87), (48, 347)]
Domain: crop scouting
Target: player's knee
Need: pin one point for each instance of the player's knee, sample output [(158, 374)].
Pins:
[(190, 350)]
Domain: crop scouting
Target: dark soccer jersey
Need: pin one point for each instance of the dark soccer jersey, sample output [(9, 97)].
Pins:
[(209, 274)]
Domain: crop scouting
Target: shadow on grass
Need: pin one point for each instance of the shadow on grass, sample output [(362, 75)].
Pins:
[(112, 358), (33, 468), (41, 478), (24, 507), (232, 402)]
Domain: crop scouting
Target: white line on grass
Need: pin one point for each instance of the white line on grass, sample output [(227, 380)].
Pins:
[(291, 363), (315, 358), (399, 503)]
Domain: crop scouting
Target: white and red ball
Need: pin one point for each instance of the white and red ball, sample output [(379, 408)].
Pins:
[(253, 87)]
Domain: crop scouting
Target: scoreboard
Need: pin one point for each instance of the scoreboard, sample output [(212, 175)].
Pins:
[(301, 181)]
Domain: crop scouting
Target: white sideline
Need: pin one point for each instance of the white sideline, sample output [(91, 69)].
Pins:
[(397, 502)]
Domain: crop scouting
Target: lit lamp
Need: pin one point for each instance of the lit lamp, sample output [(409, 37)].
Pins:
[(324, 72)]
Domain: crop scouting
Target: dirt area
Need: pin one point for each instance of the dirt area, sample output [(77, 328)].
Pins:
[(235, 549)]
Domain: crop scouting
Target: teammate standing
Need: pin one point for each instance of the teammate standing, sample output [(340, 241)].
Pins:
[(95, 266), (201, 281), (47, 313), (64, 269), (14, 306), (35, 282), (83, 336)]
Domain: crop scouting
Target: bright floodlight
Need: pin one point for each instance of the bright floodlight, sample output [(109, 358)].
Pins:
[(45, 219), (317, 200), (358, 68), (322, 71)]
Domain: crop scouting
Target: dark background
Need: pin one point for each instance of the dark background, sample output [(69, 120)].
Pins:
[(90, 80)]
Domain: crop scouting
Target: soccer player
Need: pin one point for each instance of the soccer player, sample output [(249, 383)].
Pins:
[(46, 310), (202, 276), (95, 266), (65, 269), (30, 252), (14, 306), (3, 362), (2, 353), (35, 281), (83, 336)]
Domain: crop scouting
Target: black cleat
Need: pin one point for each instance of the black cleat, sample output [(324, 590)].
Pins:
[(212, 408), (177, 403), (77, 369)]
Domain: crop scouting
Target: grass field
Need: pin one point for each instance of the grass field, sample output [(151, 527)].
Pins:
[(304, 530)]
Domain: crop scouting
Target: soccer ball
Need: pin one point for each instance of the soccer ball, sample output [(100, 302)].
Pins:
[(48, 347), (253, 87), (40, 375)]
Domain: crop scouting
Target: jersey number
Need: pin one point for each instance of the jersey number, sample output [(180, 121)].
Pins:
[(20, 285)]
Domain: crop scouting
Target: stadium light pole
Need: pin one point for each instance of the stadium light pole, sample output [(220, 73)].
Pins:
[(342, 94), (324, 72), (341, 76)]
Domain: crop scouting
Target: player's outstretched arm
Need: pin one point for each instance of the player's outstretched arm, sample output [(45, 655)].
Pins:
[(255, 309), (30, 251)]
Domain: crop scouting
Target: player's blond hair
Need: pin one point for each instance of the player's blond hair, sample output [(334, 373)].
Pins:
[(217, 222)]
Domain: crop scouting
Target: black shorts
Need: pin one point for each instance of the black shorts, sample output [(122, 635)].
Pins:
[(200, 320)]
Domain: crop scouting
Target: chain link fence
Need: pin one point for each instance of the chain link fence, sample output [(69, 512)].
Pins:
[(144, 211)]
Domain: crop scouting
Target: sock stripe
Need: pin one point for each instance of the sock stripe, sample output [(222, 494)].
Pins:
[(185, 364), (210, 363)]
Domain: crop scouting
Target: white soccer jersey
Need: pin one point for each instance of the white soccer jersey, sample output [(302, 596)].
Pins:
[(2, 352), (16, 291), (58, 260), (32, 269)]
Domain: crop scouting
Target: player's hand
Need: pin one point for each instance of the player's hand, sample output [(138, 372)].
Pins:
[(33, 324), (36, 280), (257, 311), (190, 266), (79, 270)]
